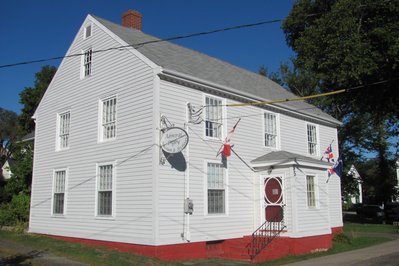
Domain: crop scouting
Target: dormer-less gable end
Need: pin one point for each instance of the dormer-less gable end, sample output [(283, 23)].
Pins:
[(93, 41)]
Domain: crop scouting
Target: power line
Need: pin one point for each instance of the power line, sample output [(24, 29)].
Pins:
[(137, 45), (255, 103), (163, 40)]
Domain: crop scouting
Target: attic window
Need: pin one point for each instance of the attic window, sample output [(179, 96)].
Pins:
[(87, 57), (87, 31)]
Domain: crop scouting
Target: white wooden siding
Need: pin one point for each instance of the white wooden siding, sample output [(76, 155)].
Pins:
[(113, 73), (243, 213), (149, 196)]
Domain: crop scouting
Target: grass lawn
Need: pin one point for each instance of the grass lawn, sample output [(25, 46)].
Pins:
[(345, 242), (370, 228), (93, 255), (102, 256), (340, 244)]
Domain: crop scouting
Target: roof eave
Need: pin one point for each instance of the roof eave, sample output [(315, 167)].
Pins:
[(289, 162), (179, 77)]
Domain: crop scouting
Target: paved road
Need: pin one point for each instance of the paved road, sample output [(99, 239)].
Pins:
[(386, 254)]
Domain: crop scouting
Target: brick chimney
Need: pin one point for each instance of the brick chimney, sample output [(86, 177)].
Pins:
[(132, 19)]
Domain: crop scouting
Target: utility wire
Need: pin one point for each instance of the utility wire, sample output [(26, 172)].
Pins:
[(164, 40), (254, 103), (137, 45)]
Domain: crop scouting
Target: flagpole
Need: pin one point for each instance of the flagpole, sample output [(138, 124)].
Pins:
[(227, 139)]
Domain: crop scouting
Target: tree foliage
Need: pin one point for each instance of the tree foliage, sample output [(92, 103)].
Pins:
[(21, 177), (8, 133), (349, 44), (15, 193), (30, 97)]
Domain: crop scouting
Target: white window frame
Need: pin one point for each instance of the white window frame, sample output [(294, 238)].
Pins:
[(83, 72), (101, 123), (59, 134), (225, 188), (53, 192), (113, 197), (277, 130), (222, 114), (312, 203), (89, 25), (317, 144)]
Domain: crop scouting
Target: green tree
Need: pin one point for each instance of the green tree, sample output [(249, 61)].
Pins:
[(30, 97), (345, 44), (8, 133), (21, 177), (14, 198)]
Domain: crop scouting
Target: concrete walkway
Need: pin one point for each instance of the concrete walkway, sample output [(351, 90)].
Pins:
[(384, 254)]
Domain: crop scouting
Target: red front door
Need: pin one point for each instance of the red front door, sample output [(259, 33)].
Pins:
[(273, 199)]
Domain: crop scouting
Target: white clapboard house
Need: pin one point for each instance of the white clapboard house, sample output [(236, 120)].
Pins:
[(108, 171)]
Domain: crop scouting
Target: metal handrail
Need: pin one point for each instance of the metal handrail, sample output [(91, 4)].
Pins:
[(265, 233)]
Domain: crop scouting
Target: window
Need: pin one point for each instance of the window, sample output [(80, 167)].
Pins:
[(59, 192), (87, 59), (271, 130), (104, 189), (310, 190), (312, 139), (87, 31), (213, 117), (108, 118), (216, 188), (64, 121)]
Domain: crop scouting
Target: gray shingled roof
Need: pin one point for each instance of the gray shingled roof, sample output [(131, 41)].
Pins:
[(277, 156), (186, 61)]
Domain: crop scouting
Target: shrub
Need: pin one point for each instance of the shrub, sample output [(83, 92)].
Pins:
[(16, 211), (342, 238)]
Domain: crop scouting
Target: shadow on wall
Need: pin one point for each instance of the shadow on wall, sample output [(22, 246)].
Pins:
[(176, 160)]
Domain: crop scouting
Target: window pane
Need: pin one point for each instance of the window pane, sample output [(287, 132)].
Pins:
[(216, 201), (105, 203), (216, 188), (105, 190), (64, 125), (88, 31), (270, 130), (109, 118), (312, 139), (87, 62), (213, 117), (58, 203), (311, 194), (59, 192)]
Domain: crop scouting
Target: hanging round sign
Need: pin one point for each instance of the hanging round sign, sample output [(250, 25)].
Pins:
[(174, 140)]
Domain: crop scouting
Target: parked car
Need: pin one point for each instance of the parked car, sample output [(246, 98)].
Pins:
[(392, 211), (373, 213)]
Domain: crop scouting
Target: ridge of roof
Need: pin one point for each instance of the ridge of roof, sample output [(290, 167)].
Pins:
[(190, 62)]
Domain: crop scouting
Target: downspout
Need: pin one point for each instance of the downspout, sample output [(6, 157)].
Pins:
[(187, 235)]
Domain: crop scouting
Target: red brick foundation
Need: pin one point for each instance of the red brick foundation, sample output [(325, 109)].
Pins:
[(337, 230), (228, 249)]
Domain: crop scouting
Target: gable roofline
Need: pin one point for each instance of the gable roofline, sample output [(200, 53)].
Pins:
[(195, 65), (93, 19), (241, 96), (121, 41)]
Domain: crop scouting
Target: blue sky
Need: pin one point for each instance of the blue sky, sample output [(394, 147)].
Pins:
[(39, 29)]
